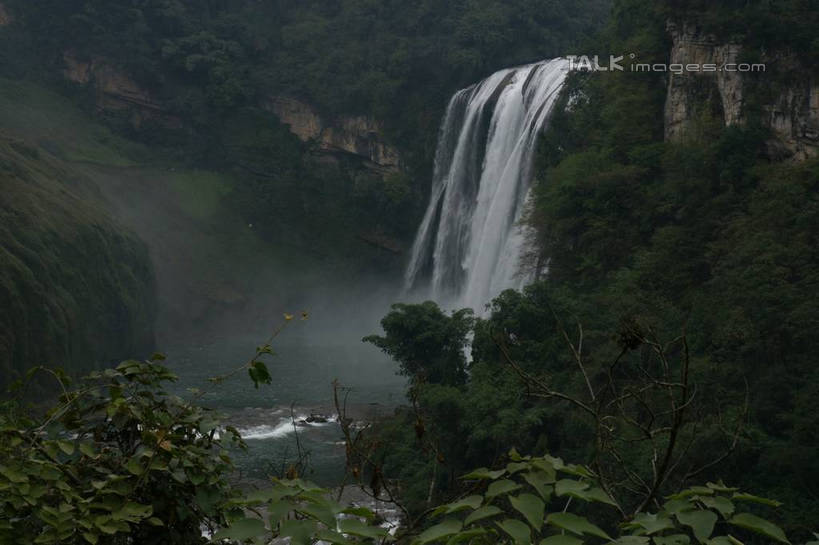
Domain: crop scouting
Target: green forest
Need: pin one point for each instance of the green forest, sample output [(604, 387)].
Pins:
[(653, 382)]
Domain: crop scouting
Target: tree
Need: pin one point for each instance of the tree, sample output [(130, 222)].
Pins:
[(428, 344)]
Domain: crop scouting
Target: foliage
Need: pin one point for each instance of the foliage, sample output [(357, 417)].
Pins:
[(676, 235), (758, 25), (120, 461), (117, 460), (428, 344), (514, 508), (76, 288), (212, 66), (302, 512)]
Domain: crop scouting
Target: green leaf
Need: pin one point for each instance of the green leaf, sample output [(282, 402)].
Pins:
[(259, 374), (517, 466), (466, 535), (520, 533), (501, 487), (599, 495), (134, 466), (322, 513), (539, 480), (335, 538), (300, 532), (570, 487), (694, 491), (677, 506), (531, 507), (676, 539), (482, 513), (482, 474), (90, 538), (357, 528), (760, 526), (87, 448), (444, 529), (725, 540), (66, 446), (575, 524), (756, 499), (719, 503), (719, 486), (546, 467), (135, 510), (470, 502), (359, 512), (561, 539), (650, 523), (582, 491), (630, 540), (241, 530), (514, 455), (13, 475), (701, 522)]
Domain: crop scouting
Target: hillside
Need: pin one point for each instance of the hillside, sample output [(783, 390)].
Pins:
[(77, 288)]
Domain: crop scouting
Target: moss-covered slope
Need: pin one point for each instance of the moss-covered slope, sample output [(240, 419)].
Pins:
[(75, 288)]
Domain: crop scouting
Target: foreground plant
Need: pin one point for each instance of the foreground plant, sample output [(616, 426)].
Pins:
[(546, 501), (118, 460), (301, 512)]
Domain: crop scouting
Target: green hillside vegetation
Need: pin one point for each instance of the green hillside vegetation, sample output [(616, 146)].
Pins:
[(212, 65), (77, 290), (646, 239), (672, 341)]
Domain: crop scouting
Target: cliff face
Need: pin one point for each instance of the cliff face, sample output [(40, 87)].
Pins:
[(116, 91), (5, 18), (357, 135), (792, 112)]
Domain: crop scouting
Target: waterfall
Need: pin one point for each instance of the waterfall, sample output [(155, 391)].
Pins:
[(470, 244)]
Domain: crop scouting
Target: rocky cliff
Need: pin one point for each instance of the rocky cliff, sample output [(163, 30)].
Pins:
[(5, 18), (357, 135), (116, 91), (790, 111)]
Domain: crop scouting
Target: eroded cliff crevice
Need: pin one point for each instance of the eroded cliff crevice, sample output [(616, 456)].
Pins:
[(116, 91), (357, 135), (790, 108), (5, 17)]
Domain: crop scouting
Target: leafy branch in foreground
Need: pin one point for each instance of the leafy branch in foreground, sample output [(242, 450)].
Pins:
[(545, 499), (118, 460), (531, 500), (301, 512)]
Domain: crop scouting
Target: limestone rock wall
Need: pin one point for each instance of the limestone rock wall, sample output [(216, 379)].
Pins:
[(357, 135), (116, 90), (792, 115)]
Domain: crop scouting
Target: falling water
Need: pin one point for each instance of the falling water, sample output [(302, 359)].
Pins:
[(470, 244)]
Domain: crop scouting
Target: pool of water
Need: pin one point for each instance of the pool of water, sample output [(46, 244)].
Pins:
[(303, 373)]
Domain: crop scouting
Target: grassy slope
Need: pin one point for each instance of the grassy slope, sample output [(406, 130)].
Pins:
[(214, 273), (75, 288)]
